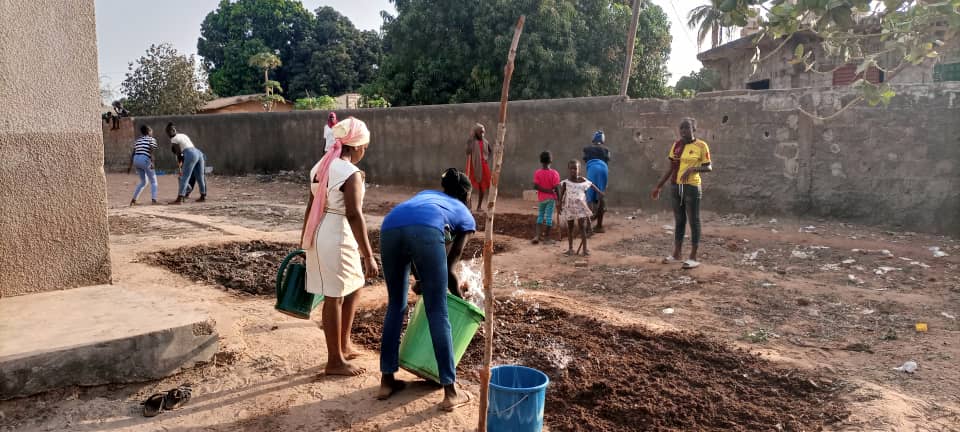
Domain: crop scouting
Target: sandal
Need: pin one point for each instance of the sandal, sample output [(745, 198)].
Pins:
[(177, 397), (690, 264), (668, 260), (153, 406)]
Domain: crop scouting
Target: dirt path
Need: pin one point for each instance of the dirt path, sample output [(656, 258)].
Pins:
[(798, 310)]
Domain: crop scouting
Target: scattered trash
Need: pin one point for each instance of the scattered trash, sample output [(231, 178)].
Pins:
[(760, 335), (819, 247), (667, 227), (883, 252), (768, 285), (937, 253), (855, 279), (773, 221), (800, 254), (908, 367), (921, 327), (830, 267), (631, 217), (808, 229), (753, 256), (948, 315), (867, 311), (884, 270), (848, 261), (667, 311)]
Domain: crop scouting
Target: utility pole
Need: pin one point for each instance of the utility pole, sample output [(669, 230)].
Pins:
[(631, 44)]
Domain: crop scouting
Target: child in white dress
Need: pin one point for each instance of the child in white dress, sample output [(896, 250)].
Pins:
[(573, 195)]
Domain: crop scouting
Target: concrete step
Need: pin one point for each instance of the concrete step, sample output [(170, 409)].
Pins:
[(97, 335)]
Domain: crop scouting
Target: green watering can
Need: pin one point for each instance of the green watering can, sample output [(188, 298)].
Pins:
[(292, 297)]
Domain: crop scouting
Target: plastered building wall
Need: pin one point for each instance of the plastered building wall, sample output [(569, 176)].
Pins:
[(896, 166), (53, 222)]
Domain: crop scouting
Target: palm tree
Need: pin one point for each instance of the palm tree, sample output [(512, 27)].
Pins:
[(268, 62), (707, 18)]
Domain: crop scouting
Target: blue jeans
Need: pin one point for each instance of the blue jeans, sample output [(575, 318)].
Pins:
[(423, 247), (193, 166), (144, 167)]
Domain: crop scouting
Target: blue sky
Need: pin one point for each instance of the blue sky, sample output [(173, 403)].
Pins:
[(126, 28)]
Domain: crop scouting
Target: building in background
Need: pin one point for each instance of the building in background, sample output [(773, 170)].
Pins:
[(242, 103)]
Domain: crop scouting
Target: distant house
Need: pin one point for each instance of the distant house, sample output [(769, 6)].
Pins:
[(242, 103), (348, 101), (732, 62)]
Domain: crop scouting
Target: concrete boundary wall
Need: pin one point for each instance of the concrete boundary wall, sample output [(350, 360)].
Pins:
[(898, 165)]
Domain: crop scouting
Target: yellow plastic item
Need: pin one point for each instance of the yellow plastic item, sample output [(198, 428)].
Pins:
[(922, 327)]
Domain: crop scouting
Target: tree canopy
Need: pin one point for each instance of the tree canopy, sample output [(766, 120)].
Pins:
[(442, 51), (164, 82), (321, 53), (699, 81), (887, 34)]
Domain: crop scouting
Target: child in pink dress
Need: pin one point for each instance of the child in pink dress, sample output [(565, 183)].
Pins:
[(573, 195)]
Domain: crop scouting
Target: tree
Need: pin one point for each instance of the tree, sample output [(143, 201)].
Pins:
[(320, 53), (706, 19), (267, 62), (887, 34), (698, 82), (239, 29), (164, 82), (440, 51)]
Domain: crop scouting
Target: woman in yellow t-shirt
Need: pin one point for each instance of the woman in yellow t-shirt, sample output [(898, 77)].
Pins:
[(689, 157)]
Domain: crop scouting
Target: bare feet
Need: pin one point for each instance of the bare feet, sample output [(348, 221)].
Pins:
[(454, 400), (344, 369), (350, 353), (389, 386)]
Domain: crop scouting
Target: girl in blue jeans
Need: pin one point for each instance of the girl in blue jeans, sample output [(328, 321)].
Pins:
[(142, 160), (417, 232), (193, 166)]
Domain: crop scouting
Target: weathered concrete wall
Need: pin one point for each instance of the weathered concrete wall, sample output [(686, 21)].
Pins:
[(53, 223), (895, 165)]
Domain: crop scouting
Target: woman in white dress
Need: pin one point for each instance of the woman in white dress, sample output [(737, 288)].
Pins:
[(339, 256)]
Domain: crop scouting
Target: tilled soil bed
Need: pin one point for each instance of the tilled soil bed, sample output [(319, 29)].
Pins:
[(250, 267), (612, 378)]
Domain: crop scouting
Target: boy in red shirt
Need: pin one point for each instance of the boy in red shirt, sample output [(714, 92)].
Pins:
[(547, 183)]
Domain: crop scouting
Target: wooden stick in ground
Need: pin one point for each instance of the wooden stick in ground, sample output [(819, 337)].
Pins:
[(631, 45), (488, 232)]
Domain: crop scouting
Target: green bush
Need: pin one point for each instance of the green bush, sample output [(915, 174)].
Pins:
[(315, 103)]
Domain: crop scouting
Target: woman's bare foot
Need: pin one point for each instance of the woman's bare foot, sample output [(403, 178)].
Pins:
[(344, 369), (350, 353), (389, 386)]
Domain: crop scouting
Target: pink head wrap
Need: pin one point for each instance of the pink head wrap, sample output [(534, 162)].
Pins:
[(350, 132)]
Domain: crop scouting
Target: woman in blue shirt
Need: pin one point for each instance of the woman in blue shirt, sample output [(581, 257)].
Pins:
[(416, 232)]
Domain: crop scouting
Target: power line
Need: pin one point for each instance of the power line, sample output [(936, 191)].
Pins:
[(680, 20)]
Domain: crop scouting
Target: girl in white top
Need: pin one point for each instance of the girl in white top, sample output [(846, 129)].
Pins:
[(574, 207), (338, 251)]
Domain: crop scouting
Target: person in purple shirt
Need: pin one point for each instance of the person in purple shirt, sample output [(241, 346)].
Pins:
[(417, 232)]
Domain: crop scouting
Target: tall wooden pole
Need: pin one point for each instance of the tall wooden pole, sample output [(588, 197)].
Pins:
[(631, 45), (488, 232)]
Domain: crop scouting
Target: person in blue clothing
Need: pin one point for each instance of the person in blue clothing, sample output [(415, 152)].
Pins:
[(597, 156), (429, 232)]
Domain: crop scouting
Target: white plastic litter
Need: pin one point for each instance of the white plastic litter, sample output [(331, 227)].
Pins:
[(908, 367), (948, 315), (855, 279), (848, 261), (884, 270), (799, 254), (667, 311), (937, 253), (808, 229), (667, 227)]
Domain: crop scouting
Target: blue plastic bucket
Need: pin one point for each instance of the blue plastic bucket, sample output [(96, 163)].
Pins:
[(517, 397)]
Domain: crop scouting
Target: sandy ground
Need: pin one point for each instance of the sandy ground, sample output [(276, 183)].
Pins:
[(794, 292)]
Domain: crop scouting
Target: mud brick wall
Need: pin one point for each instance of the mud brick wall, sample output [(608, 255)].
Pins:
[(53, 204), (896, 166)]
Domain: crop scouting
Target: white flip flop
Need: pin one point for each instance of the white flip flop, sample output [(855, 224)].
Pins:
[(690, 264), (668, 260)]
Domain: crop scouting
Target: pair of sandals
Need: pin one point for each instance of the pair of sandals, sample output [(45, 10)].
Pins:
[(166, 401), (687, 264)]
